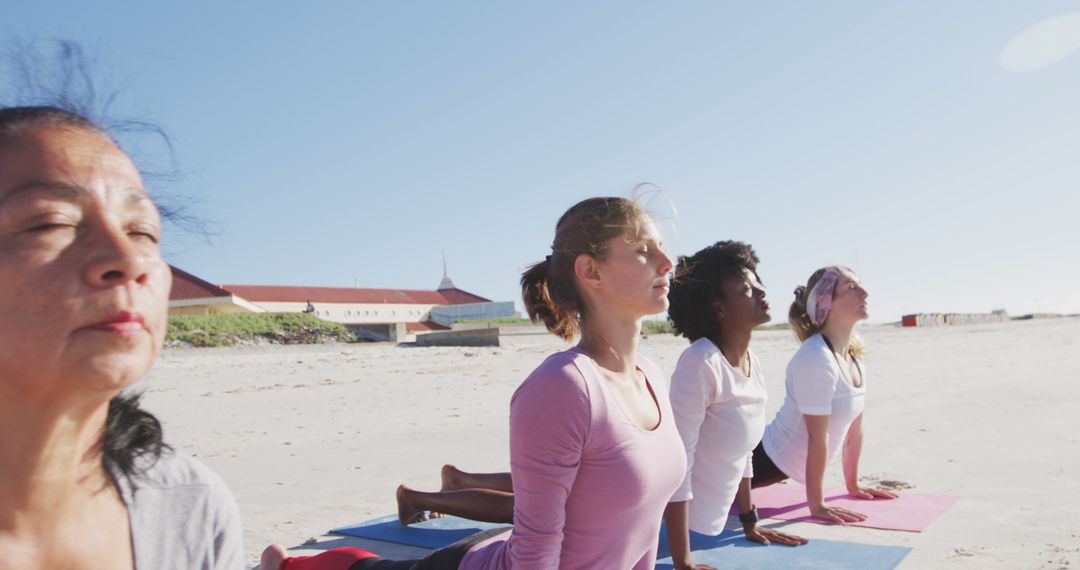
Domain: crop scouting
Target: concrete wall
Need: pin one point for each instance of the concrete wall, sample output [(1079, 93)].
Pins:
[(476, 337)]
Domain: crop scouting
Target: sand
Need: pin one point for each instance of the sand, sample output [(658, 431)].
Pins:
[(314, 437)]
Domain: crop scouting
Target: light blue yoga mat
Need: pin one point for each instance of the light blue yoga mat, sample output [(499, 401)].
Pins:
[(731, 550), (434, 533)]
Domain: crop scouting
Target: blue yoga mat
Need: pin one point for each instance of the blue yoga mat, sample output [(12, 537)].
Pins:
[(731, 550), (434, 533)]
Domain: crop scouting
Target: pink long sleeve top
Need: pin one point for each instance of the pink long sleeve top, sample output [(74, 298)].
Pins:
[(590, 485)]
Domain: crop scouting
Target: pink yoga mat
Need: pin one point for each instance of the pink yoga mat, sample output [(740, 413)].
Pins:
[(910, 511)]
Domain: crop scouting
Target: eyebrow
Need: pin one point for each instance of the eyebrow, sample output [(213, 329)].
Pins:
[(66, 190)]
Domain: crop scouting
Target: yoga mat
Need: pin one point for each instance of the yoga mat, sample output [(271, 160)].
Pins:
[(911, 512), (730, 550), (434, 533)]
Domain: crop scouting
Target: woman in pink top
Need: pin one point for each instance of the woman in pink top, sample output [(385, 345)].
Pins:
[(594, 452)]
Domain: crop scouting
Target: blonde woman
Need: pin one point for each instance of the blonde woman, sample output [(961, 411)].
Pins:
[(821, 417)]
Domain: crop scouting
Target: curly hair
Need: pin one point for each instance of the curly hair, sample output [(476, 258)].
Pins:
[(697, 285)]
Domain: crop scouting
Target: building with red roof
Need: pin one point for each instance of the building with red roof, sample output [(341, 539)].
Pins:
[(378, 314)]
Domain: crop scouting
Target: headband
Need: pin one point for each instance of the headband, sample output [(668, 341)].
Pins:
[(819, 300)]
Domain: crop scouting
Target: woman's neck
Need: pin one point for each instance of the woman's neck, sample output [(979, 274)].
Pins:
[(611, 341), (49, 455), (839, 335), (734, 345)]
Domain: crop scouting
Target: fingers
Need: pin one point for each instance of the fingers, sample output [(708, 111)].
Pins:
[(882, 493), (846, 515), (838, 515)]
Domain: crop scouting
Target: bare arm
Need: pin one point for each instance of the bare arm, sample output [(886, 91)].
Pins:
[(852, 451), (817, 455), (677, 517)]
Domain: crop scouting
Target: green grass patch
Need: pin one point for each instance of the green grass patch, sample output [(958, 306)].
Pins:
[(250, 328), (657, 327)]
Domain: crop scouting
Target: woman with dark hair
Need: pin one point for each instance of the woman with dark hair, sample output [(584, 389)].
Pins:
[(85, 478), (821, 417), (594, 452), (717, 394)]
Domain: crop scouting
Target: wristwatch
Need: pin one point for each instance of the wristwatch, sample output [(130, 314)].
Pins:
[(749, 517)]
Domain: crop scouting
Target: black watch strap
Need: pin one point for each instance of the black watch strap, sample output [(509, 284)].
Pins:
[(749, 517)]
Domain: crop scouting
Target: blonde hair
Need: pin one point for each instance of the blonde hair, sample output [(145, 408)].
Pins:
[(804, 327), (548, 288)]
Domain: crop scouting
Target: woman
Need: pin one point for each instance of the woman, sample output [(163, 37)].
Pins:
[(821, 417), (717, 394), (594, 452), (85, 479)]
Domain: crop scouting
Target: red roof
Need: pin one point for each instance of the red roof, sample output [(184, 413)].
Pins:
[(458, 297), (187, 286)]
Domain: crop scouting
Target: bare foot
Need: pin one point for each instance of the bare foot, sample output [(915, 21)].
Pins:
[(407, 512), (451, 478), (272, 557)]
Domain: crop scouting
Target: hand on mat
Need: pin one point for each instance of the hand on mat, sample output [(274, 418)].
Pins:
[(767, 535), (835, 514), (871, 493)]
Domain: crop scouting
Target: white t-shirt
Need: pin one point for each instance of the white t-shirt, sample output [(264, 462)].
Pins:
[(720, 414), (815, 387)]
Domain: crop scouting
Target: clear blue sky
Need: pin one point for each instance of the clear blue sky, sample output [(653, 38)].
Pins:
[(934, 145)]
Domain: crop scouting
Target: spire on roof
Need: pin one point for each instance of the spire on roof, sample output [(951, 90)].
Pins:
[(446, 283)]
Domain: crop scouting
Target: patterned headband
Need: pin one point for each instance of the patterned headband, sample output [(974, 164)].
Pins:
[(819, 300)]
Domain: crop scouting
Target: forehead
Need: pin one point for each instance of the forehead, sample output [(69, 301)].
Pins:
[(46, 158), (846, 276), (644, 229)]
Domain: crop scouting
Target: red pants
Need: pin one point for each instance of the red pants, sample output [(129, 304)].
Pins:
[(335, 559)]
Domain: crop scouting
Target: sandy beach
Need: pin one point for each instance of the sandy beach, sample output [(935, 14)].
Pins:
[(314, 437)]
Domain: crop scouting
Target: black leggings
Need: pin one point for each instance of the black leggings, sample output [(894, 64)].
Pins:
[(765, 471)]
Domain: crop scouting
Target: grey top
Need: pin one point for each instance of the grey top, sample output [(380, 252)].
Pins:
[(182, 516)]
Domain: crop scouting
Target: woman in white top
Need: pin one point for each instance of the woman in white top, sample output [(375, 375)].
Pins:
[(717, 393), (821, 417)]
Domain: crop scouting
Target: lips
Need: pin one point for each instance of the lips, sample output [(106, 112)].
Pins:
[(122, 322)]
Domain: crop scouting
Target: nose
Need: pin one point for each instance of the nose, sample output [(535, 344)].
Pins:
[(666, 264), (114, 259)]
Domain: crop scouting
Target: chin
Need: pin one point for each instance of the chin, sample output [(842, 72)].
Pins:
[(113, 371)]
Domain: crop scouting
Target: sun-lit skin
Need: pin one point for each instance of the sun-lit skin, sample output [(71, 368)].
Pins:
[(84, 295), (83, 286), (635, 274), (849, 302)]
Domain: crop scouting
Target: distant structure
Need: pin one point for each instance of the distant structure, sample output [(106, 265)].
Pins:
[(949, 319), (373, 314)]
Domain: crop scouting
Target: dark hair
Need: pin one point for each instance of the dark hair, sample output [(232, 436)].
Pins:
[(130, 433), (548, 287), (14, 120), (698, 282)]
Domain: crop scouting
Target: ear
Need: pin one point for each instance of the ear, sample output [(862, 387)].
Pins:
[(587, 270)]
